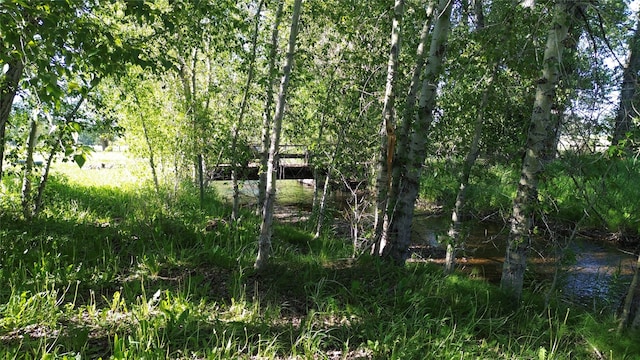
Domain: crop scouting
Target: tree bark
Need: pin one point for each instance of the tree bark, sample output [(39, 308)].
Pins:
[(628, 304), (52, 153), (8, 88), (238, 125), (388, 131), (147, 140), (469, 161), (27, 208), (318, 203), (325, 189), (267, 119), (541, 128), (266, 227), (399, 160), (409, 180), (627, 109), (454, 235)]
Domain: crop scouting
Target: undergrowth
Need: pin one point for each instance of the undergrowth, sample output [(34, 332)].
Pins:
[(596, 191), (120, 272)]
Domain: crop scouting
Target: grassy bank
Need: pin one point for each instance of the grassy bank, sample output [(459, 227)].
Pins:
[(112, 271)]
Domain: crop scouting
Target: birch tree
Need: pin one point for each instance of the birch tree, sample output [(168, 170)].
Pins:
[(387, 131), (266, 226), (243, 107), (267, 118), (403, 131), (541, 128), (409, 163)]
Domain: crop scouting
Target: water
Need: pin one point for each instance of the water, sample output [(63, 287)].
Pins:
[(591, 270), (594, 270), (289, 192)]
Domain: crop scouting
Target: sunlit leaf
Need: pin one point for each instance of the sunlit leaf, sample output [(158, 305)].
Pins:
[(80, 159)]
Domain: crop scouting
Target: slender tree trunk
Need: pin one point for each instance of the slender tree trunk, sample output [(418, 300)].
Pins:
[(388, 129), (628, 304), (563, 99), (469, 161), (455, 239), (8, 88), (267, 119), (323, 204), (627, 109), (189, 84), (238, 125), (266, 227), (27, 206), (52, 153), (402, 218), (319, 202), (201, 170), (399, 161), (147, 139), (325, 190), (315, 203), (541, 128)]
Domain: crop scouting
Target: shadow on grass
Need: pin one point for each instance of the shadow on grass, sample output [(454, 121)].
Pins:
[(126, 276)]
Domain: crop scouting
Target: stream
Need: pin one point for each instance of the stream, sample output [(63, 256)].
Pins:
[(592, 272)]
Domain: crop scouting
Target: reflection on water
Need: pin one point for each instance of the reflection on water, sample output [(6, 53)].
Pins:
[(591, 271), (588, 275), (288, 192)]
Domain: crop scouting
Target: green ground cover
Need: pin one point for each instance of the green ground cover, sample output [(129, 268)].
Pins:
[(113, 270)]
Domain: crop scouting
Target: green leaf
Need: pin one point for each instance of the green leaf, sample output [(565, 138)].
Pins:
[(80, 159)]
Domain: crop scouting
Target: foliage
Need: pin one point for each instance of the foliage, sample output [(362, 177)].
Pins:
[(595, 186), (113, 269), (109, 272), (576, 185)]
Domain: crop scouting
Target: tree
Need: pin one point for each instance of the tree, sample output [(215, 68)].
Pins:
[(50, 50), (264, 241), (541, 128), (387, 132), (382, 232), (243, 107), (628, 107), (267, 118), (411, 149)]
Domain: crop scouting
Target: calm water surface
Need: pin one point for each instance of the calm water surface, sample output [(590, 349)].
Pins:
[(593, 270)]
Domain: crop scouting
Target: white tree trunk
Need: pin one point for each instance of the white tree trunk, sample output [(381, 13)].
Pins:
[(399, 160), (52, 153), (455, 239), (266, 227), (267, 119), (540, 130), (400, 231), (388, 131), (27, 207), (238, 125)]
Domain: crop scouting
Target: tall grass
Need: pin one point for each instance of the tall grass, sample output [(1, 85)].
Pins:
[(114, 270)]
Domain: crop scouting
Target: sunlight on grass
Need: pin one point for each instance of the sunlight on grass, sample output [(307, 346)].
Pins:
[(105, 168), (113, 271)]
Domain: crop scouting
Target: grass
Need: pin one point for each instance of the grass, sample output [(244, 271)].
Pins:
[(111, 271)]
